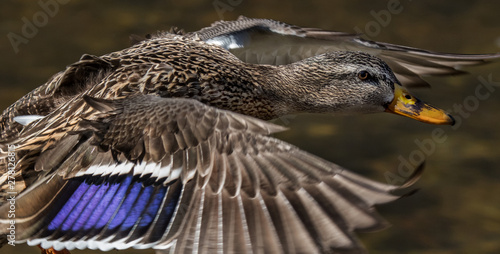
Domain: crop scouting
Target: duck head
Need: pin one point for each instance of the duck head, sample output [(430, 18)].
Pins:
[(353, 82)]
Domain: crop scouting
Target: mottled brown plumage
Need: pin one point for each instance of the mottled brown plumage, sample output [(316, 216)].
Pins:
[(176, 117), (175, 66)]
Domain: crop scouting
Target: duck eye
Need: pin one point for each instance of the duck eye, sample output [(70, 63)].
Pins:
[(364, 75)]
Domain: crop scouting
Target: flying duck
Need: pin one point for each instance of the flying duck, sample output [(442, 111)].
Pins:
[(165, 144)]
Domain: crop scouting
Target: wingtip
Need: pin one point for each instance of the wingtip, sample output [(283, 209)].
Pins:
[(415, 176), (410, 181), (275, 128)]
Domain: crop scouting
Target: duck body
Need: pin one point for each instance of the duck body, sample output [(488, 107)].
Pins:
[(175, 66), (163, 145), (109, 104), (180, 66)]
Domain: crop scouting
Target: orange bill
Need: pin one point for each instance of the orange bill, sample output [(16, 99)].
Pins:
[(407, 105)]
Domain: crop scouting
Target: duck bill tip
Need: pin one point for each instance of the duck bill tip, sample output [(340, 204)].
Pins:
[(407, 105)]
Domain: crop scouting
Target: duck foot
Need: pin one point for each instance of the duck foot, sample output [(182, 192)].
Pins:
[(52, 251)]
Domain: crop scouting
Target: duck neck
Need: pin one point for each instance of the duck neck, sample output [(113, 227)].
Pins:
[(269, 92), (245, 89), (292, 89)]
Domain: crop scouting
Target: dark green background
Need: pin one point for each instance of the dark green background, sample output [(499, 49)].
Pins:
[(457, 209)]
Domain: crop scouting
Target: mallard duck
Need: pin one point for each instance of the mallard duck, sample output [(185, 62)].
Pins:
[(164, 145)]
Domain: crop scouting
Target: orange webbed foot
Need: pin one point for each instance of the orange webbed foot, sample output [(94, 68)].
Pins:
[(52, 251)]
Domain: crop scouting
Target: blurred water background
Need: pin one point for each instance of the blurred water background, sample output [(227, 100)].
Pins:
[(457, 209)]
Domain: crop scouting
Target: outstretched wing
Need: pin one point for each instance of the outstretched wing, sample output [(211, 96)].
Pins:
[(164, 173), (264, 41)]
